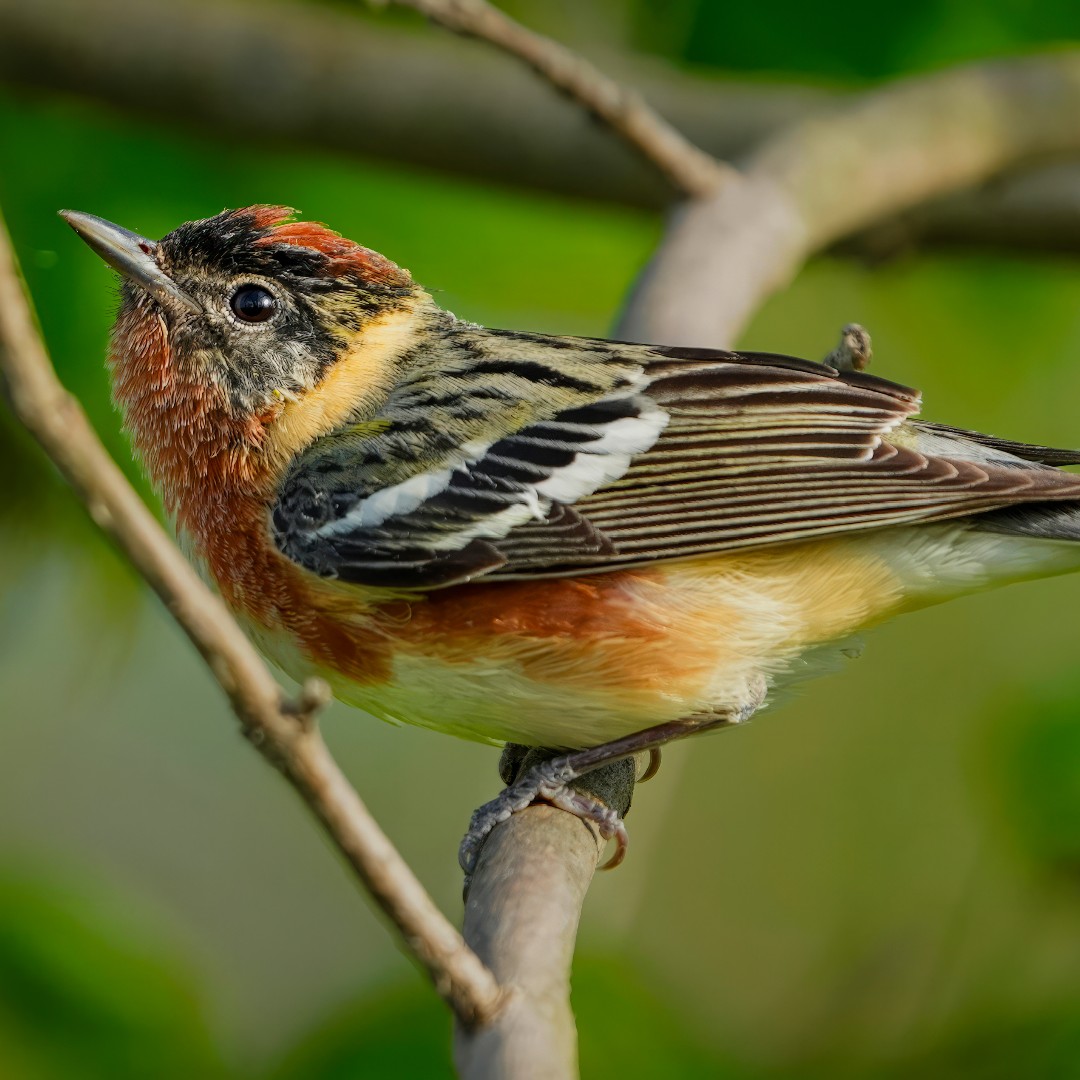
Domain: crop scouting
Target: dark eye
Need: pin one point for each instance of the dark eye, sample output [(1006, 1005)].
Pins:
[(253, 303)]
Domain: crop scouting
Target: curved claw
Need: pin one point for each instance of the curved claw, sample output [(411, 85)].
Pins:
[(622, 842), (655, 754)]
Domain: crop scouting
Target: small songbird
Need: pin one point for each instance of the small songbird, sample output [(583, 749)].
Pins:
[(551, 541)]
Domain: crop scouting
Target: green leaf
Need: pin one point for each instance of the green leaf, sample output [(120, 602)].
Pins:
[(82, 997)]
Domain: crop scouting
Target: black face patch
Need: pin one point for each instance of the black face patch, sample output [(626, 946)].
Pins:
[(316, 307)]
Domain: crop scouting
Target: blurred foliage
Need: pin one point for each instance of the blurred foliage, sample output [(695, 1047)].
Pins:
[(848, 40), (625, 1028), (1045, 1046), (82, 996), (947, 805), (400, 1031), (1037, 778)]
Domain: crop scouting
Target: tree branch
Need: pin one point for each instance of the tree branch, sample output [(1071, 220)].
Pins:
[(822, 180), (723, 255), (721, 258), (321, 77), (284, 732), (521, 916), (624, 111), (522, 908)]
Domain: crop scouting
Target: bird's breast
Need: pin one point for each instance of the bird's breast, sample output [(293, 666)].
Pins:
[(567, 661)]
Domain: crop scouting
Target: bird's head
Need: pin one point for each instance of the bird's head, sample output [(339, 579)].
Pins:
[(227, 322), (249, 301)]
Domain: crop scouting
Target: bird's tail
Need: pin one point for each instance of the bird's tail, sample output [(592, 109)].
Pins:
[(1040, 520)]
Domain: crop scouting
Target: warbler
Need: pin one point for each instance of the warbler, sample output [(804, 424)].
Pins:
[(515, 537)]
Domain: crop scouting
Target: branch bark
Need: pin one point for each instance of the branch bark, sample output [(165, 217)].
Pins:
[(284, 732), (534, 872), (821, 180), (690, 170), (324, 78), (522, 909)]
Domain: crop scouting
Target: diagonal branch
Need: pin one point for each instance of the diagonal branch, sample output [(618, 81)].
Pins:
[(808, 187), (624, 111), (284, 732)]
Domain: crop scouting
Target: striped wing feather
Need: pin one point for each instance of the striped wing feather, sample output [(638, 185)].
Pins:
[(762, 451), (707, 452)]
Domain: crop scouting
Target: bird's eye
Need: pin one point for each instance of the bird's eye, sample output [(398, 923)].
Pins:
[(253, 303)]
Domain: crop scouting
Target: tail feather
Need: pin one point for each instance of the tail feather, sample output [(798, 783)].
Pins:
[(1044, 455), (1039, 519), (1044, 521)]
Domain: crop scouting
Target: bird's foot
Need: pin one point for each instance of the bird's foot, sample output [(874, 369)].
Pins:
[(551, 778), (547, 782)]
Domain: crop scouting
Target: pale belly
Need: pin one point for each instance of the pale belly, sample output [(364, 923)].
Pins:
[(685, 639)]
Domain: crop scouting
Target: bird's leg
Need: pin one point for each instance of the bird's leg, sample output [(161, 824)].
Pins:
[(550, 781)]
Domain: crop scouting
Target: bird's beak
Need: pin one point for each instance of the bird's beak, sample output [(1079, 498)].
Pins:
[(131, 255)]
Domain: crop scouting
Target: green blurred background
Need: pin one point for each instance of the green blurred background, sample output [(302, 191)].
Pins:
[(880, 879)]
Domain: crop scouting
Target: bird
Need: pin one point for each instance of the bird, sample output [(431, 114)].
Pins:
[(582, 544)]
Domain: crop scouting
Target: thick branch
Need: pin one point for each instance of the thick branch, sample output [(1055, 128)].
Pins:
[(822, 180), (725, 252), (721, 258), (284, 732), (521, 916), (326, 78)]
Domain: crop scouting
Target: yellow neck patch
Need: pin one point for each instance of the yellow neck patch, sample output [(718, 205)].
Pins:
[(364, 373)]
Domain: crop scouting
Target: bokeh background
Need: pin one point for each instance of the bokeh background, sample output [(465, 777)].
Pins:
[(882, 878)]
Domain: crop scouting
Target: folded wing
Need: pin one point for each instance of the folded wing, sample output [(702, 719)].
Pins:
[(709, 452)]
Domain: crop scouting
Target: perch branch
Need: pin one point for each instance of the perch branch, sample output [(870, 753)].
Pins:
[(284, 732), (325, 78), (543, 861), (690, 170), (522, 909)]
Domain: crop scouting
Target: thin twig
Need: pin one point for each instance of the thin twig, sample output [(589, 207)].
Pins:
[(624, 111), (284, 732)]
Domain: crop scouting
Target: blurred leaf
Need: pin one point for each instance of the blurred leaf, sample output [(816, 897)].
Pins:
[(628, 1027), (400, 1032), (1038, 762), (847, 39), (1040, 1048), (82, 997)]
